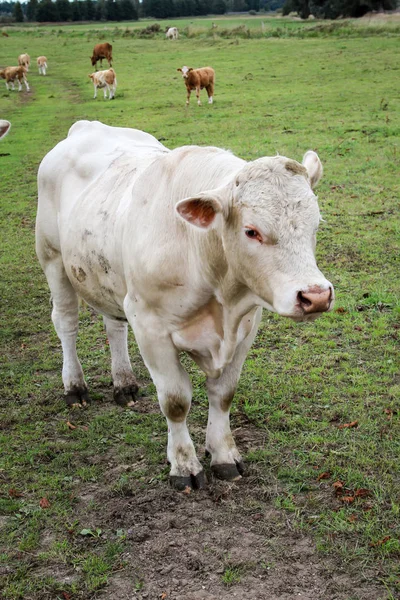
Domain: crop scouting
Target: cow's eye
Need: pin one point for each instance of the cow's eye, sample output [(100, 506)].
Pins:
[(253, 234)]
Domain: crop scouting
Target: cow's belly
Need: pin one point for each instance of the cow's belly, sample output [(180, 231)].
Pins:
[(203, 337)]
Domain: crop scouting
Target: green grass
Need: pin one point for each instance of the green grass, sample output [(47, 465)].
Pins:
[(335, 92)]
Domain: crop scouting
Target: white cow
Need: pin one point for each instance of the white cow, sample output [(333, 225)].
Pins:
[(4, 127), (172, 33), (187, 246)]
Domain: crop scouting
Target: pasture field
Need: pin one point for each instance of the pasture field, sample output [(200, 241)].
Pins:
[(85, 507)]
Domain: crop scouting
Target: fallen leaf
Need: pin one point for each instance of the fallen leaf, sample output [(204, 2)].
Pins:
[(338, 485), (362, 493), (44, 503), (352, 518), (324, 475), (340, 310), (380, 542), (347, 499), (164, 594), (187, 490), (348, 425), (13, 493), (66, 596), (70, 425)]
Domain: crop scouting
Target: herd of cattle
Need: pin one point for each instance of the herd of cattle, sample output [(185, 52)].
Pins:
[(13, 74), (194, 79), (187, 246)]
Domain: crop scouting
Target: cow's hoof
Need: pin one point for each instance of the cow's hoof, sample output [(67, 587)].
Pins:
[(77, 397), (193, 482), (228, 471), (126, 396)]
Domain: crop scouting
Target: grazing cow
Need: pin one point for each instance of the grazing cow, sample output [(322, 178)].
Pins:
[(187, 246), (197, 79), (4, 127), (24, 60), (106, 80), (172, 33), (42, 65), (101, 51), (11, 74)]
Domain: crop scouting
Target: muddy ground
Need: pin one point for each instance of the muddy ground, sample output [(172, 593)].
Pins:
[(227, 541)]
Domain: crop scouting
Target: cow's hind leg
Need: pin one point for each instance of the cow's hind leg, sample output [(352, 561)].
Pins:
[(65, 319), (125, 384), (226, 461), (174, 392)]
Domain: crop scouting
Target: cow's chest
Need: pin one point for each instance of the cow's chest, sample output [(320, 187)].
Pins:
[(211, 337)]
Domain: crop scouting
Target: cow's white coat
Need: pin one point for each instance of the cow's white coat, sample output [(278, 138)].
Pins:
[(188, 245)]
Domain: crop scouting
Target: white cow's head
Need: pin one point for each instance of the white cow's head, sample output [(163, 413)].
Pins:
[(268, 218), (4, 127), (185, 71)]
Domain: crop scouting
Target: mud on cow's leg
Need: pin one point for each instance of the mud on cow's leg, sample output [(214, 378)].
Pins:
[(226, 461), (65, 319), (174, 392), (125, 384)]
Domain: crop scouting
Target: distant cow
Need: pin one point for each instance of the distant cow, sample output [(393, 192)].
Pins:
[(4, 127), (12, 74), (101, 51), (197, 79), (42, 65), (105, 80), (24, 60), (187, 246), (172, 33)]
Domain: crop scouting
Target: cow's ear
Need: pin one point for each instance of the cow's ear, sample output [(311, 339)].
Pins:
[(314, 167), (4, 127), (190, 69), (179, 70), (200, 211)]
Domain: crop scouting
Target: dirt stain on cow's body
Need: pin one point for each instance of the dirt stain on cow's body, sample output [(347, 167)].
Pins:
[(176, 408), (296, 168), (78, 273)]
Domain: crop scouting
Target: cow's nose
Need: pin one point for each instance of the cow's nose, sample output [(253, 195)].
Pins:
[(315, 301)]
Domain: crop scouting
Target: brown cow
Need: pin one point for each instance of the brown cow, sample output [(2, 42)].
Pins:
[(42, 64), (105, 80), (197, 79), (11, 74), (24, 60), (101, 51)]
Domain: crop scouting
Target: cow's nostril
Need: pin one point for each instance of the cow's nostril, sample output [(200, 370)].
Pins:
[(303, 300)]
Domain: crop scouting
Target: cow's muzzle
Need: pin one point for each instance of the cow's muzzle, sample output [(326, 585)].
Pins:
[(315, 300)]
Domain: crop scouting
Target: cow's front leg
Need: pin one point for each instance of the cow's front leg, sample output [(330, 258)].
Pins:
[(226, 461), (187, 95), (125, 384), (198, 96), (174, 392), (95, 92)]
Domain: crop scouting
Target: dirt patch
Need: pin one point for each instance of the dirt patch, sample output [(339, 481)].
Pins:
[(225, 542)]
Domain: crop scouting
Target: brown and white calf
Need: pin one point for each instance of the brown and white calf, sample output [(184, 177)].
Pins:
[(24, 60), (187, 246), (4, 127), (101, 51), (105, 80), (172, 33), (12, 74), (42, 64), (198, 79)]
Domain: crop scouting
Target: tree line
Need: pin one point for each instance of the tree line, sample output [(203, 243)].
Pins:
[(333, 9), (122, 10)]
